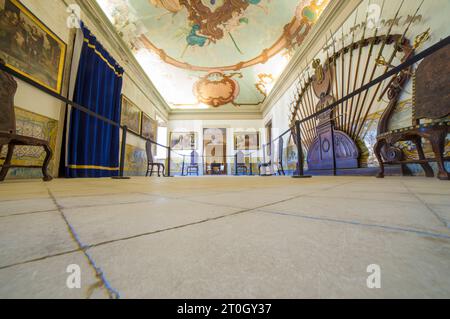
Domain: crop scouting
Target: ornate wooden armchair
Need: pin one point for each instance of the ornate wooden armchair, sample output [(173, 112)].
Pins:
[(431, 101), (8, 134), (151, 162)]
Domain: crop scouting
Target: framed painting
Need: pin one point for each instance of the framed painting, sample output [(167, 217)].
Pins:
[(131, 115), (246, 141), (149, 127), (28, 47), (183, 141)]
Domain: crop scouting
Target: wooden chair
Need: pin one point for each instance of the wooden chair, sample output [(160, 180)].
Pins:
[(8, 134), (431, 101), (240, 163), (266, 165), (193, 165), (150, 161), (217, 168)]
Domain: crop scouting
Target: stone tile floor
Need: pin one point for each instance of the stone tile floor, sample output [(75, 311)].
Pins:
[(225, 237)]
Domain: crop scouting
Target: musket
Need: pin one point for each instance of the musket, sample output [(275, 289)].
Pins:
[(350, 68), (309, 103), (328, 64), (380, 53), (313, 121), (353, 109), (391, 59), (335, 77), (388, 64), (343, 74)]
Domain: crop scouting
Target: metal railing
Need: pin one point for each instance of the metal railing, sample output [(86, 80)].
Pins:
[(87, 111), (300, 162)]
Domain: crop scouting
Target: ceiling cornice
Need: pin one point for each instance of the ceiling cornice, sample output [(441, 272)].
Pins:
[(214, 115), (334, 15), (93, 11)]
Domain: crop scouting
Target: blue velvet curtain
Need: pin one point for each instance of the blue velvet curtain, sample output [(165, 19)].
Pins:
[(93, 144)]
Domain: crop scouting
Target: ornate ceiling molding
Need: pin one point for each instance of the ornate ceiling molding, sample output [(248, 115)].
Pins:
[(214, 115), (332, 17), (294, 32)]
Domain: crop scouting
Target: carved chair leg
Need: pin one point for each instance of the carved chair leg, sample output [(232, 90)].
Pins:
[(438, 143), (163, 169), (425, 166), (7, 162), (377, 149), (48, 151), (151, 170), (159, 170)]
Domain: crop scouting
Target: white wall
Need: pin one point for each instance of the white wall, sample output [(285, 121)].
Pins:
[(231, 126), (53, 14)]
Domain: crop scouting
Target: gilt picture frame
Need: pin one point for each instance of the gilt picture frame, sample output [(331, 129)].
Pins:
[(249, 141), (149, 127), (183, 141), (130, 115), (29, 47)]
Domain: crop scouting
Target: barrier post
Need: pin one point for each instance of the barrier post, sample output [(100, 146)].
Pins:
[(122, 154), (301, 173), (168, 161), (183, 165)]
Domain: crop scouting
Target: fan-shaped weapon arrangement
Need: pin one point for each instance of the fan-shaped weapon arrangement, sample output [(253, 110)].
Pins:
[(332, 138)]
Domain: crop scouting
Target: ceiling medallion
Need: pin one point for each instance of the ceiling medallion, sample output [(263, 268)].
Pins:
[(216, 89)]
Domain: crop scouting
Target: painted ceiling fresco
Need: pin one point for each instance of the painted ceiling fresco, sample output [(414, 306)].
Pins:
[(213, 53)]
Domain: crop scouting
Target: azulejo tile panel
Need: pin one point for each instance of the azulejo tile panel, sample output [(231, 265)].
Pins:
[(38, 126)]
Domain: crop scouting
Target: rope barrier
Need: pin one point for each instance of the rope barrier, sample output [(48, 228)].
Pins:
[(278, 138)]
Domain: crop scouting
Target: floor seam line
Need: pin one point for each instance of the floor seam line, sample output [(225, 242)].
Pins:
[(105, 205), (203, 221), (269, 204), (443, 221), (31, 213), (255, 209), (113, 293), (356, 223), (39, 259)]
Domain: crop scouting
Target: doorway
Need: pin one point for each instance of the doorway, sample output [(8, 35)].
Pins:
[(215, 151)]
